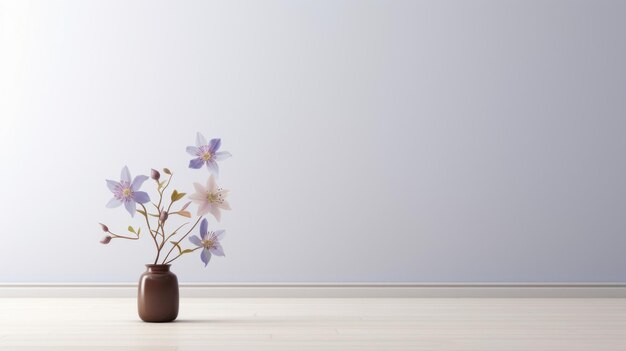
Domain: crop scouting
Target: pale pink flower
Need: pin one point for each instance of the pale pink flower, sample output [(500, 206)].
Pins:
[(210, 199)]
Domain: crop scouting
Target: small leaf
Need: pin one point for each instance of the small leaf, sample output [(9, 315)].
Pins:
[(167, 171), (184, 213), (130, 229), (177, 196), (186, 251), (142, 212), (138, 231), (177, 246), (185, 206)]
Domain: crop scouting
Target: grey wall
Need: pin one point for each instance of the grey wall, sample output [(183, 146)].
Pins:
[(401, 141)]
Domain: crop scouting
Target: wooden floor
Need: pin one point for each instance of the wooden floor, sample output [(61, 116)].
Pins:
[(318, 324)]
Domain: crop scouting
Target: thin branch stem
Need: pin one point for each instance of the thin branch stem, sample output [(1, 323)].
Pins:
[(150, 231), (181, 239), (163, 190), (113, 235), (180, 254), (160, 246), (122, 237), (162, 233), (176, 231), (159, 210)]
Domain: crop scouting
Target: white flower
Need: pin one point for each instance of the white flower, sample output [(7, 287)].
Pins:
[(210, 199)]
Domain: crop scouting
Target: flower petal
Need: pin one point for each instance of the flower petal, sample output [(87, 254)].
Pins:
[(214, 145), (196, 163), (200, 140), (193, 151), (195, 240), (138, 181), (114, 202), (210, 185), (204, 228), (125, 176), (141, 197), (114, 186), (204, 208), (197, 197), (205, 256), (222, 155), (213, 168), (217, 250), (219, 234), (225, 205), (215, 211), (200, 189), (131, 207)]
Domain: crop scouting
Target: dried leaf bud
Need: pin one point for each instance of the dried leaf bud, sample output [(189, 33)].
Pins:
[(167, 171), (163, 216), (154, 174), (106, 240), (104, 228)]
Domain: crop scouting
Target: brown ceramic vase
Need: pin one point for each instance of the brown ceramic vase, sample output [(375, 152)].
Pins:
[(158, 294)]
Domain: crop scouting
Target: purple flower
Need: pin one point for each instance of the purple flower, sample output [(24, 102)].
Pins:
[(127, 192), (206, 153), (209, 241)]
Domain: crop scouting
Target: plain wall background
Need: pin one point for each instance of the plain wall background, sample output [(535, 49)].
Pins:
[(391, 141)]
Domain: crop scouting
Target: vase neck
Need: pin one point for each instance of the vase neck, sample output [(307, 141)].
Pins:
[(158, 268)]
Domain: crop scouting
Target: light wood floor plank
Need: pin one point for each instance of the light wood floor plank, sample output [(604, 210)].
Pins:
[(317, 324)]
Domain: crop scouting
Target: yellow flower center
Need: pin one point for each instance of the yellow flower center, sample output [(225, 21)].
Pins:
[(206, 156), (211, 197), (126, 192), (207, 243)]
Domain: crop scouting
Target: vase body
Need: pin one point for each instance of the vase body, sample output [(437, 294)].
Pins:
[(157, 300)]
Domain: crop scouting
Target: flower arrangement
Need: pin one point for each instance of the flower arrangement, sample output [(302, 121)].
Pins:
[(210, 199)]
